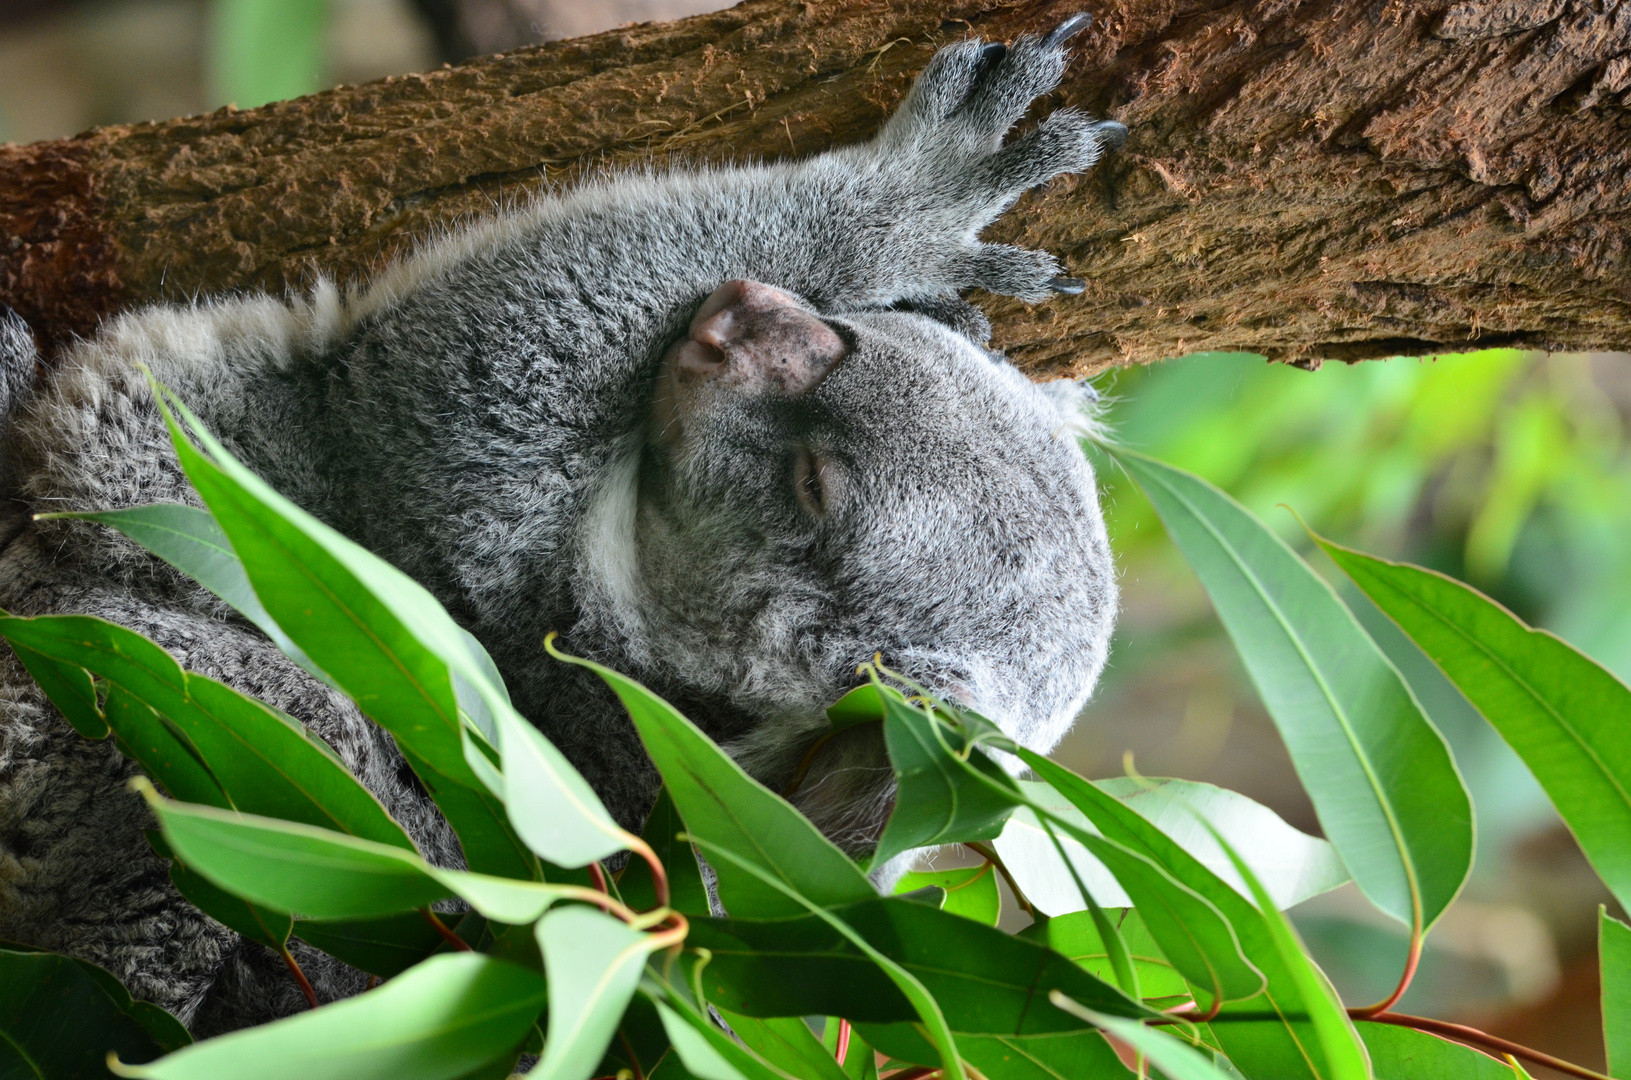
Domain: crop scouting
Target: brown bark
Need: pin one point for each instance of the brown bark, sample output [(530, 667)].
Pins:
[(1317, 179)]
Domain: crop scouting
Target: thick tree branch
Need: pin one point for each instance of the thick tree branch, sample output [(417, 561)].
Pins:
[(1324, 179)]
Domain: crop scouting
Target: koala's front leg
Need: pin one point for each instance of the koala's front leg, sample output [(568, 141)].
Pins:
[(939, 172)]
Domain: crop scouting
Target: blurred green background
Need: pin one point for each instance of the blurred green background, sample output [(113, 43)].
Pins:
[(1510, 470)]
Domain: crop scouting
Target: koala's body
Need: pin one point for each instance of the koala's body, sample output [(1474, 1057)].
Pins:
[(729, 431)]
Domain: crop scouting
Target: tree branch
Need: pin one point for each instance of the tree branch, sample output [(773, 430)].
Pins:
[(1327, 179)]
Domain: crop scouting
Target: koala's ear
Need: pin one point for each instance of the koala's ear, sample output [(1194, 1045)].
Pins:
[(954, 312)]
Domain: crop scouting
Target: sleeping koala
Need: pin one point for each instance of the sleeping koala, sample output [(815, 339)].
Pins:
[(730, 431)]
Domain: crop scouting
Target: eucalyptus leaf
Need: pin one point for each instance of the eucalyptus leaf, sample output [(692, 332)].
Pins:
[(1386, 790), (706, 1052), (662, 830), (723, 805), (69, 687), (319, 874), (1176, 1060), (1077, 937), (60, 1018), (445, 1019), (1271, 1035), (1565, 714), (1070, 1055), (593, 964), (259, 924), (385, 946), (937, 800), (392, 647), (1401, 1053), (1292, 865), (788, 1043), (969, 891), (1614, 954)]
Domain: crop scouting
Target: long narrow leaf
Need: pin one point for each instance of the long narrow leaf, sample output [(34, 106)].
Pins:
[(440, 1021), (392, 647), (1175, 1059), (1614, 948), (1565, 714), (722, 805), (1381, 777), (593, 964)]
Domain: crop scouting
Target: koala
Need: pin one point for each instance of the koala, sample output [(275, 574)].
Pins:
[(731, 431)]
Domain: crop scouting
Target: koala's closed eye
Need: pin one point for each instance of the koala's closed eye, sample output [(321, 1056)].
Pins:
[(812, 482)]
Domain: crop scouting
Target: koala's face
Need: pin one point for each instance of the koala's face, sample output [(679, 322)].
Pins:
[(818, 490)]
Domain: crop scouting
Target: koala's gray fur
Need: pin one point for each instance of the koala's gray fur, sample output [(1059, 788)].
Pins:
[(481, 416)]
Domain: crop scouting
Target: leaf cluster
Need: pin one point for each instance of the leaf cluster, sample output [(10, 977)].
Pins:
[(738, 943)]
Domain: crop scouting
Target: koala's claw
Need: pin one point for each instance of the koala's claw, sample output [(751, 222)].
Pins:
[(1068, 29), (1112, 135), (1068, 286), (992, 51)]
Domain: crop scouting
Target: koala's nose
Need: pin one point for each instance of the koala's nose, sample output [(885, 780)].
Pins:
[(757, 338)]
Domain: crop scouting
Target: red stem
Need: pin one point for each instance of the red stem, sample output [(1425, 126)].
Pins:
[(598, 876), (990, 855), (1473, 1037), (299, 976), (659, 875), (1370, 1011), (916, 1072), (634, 1062), (441, 928), (843, 1041)]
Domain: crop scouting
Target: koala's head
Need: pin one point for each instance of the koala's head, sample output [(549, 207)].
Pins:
[(815, 490)]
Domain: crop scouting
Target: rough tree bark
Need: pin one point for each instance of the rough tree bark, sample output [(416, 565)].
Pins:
[(1307, 180)]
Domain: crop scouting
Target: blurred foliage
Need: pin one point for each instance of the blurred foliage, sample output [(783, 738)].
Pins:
[(1508, 469), (267, 50)]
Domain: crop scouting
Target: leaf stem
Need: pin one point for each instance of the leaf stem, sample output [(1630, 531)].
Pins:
[(441, 928), (1482, 1039), (842, 1050), (659, 873), (299, 976), (1410, 964), (634, 1062), (989, 854)]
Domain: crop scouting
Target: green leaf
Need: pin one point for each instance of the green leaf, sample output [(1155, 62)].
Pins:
[(724, 806), (190, 540), (706, 1052), (1614, 947), (863, 705), (394, 650), (788, 1043), (1386, 790), (60, 1017), (1343, 1051), (262, 761), (1192, 932), (1076, 936), (985, 981), (686, 893), (1293, 865), (970, 891), (593, 963), (1400, 1053), (1175, 1059), (70, 689), (1564, 714), (937, 801), (933, 1020), (384, 946), (442, 1020), (160, 749), (319, 874), (1070, 1055), (1270, 1035)]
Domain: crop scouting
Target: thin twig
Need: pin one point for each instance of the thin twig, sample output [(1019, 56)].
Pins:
[(441, 928), (299, 976), (634, 1062), (842, 1050), (659, 874), (1482, 1039), (990, 855)]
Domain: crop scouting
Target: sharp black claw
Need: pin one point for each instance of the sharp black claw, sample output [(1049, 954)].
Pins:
[(992, 53), (1070, 286), (1068, 29), (1111, 134)]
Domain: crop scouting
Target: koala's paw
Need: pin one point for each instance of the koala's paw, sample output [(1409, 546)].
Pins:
[(948, 136)]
